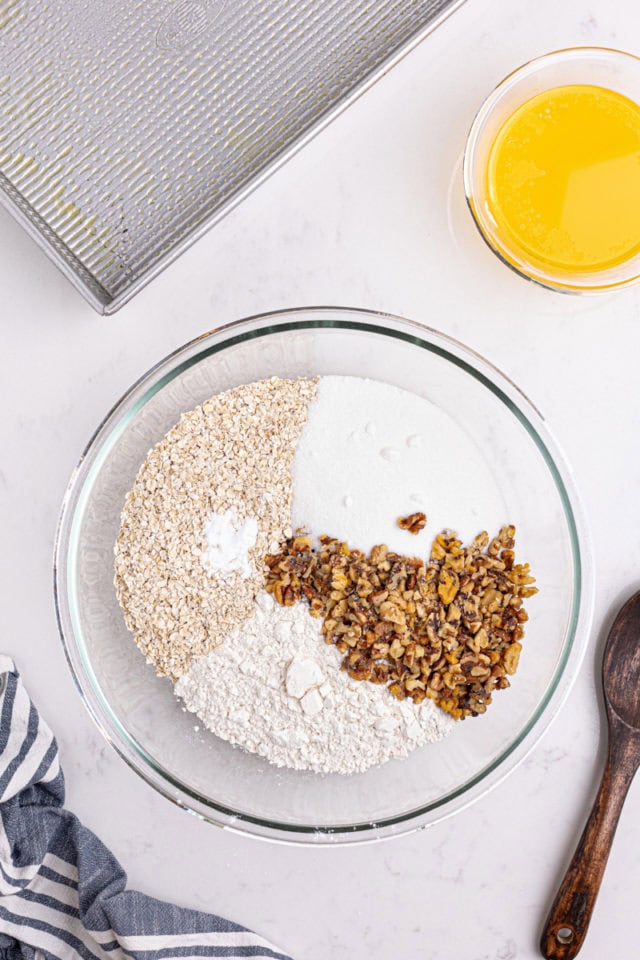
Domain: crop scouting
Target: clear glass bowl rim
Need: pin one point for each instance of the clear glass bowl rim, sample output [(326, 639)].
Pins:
[(576, 284), (94, 456)]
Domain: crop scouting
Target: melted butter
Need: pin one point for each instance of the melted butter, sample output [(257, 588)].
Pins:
[(563, 179)]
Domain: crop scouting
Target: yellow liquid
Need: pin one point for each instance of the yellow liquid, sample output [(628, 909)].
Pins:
[(563, 180)]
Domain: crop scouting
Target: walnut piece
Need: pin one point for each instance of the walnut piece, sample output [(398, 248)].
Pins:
[(449, 629), (414, 523)]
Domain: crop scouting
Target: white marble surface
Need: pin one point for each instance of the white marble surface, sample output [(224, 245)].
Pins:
[(370, 214)]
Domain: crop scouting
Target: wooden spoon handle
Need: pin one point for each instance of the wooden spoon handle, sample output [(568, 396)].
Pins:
[(568, 920)]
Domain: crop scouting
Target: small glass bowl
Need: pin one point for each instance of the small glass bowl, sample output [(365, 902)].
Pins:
[(596, 66), (138, 713)]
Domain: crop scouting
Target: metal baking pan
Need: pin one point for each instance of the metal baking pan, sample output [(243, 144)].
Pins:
[(129, 127)]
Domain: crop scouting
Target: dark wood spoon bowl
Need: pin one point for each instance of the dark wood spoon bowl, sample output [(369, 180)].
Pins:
[(570, 914)]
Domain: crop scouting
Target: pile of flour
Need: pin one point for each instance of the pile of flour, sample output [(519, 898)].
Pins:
[(276, 688)]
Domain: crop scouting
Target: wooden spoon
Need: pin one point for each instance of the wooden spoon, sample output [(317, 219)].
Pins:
[(568, 920)]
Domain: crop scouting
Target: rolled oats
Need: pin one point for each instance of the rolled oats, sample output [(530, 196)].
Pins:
[(234, 452)]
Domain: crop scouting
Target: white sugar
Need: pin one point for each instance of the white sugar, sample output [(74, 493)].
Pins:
[(371, 452)]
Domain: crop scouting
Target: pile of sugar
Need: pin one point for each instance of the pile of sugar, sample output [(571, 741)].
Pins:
[(275, 688), (370, 452)]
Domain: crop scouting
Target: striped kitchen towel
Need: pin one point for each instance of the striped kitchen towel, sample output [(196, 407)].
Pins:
[(62, 893)]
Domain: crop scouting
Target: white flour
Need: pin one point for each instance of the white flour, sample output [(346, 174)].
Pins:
[(370, 452), (275, 688)]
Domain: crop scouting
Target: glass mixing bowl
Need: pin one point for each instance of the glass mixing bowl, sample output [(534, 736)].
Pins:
[(137, 712)]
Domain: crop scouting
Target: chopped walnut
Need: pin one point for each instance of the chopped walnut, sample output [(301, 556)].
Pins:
[(414, 523), (449, 629)]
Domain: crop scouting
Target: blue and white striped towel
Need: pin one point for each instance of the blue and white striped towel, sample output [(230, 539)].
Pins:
[(62, 893)]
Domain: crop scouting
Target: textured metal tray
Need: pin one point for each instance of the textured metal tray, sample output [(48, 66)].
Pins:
[(128, 127)]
